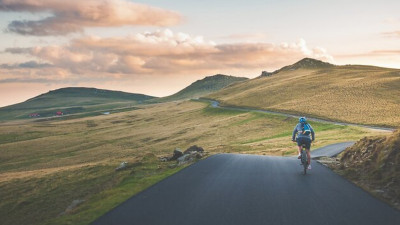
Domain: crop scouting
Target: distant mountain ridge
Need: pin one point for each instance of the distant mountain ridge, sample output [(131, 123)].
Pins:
[(306, 63), (204, 87), (77, 96), (71, 100), (92, 92)]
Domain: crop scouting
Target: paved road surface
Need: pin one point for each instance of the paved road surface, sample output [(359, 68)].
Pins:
[(331, 150), (248, 189)]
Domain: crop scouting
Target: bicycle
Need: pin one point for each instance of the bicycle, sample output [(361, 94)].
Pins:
[(304, 158)]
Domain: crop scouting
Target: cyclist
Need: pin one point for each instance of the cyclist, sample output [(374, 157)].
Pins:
[(303, 131)]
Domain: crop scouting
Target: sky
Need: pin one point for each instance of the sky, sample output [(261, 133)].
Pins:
[(158, 47)]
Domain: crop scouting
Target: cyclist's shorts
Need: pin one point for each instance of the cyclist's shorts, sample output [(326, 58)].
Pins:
[(304, 140)]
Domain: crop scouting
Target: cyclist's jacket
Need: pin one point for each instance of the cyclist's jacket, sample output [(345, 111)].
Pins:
[(298, 129)]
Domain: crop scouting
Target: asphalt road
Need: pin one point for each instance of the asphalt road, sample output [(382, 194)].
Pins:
[(330, 150), (249, 189)]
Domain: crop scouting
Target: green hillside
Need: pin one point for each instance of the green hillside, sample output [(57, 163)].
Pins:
[(351, 93), (71, 101), (203, 87)]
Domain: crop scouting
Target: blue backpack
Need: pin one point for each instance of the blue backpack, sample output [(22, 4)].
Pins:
[(306, 129)]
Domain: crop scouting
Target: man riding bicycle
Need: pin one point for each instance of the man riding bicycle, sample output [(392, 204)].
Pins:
[(303, 131)]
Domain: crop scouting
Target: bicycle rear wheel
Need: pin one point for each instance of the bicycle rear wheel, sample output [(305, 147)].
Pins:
[(304, 160)]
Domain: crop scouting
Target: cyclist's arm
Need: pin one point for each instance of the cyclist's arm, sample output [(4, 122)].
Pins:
[(294, 133), (312, 133)]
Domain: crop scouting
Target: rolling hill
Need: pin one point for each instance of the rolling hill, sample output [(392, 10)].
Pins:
[(71, 101), (203, 87), (350, 93)]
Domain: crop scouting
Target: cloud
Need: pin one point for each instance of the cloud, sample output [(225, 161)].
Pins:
[(74, 15), (374, 53), (165, 53), (15, 80), (249, 37), (29, 64), (393, 34), (386, 52), (391, 20)]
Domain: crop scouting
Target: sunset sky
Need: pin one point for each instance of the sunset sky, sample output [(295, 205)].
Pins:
[(158, 47)]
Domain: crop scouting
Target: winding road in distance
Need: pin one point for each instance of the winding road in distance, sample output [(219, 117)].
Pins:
[(237, 189), (215, 104)]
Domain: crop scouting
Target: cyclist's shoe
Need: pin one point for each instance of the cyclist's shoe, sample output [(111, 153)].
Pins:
[(299, 156), (309, 167)]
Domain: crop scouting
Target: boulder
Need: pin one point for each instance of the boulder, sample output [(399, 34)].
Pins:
[(164, 159), (193, 148), (177, 153), (186, 158)]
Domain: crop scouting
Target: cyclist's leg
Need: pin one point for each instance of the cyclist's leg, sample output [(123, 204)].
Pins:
[(308, 156), (308, 150), (299, 149), (299, 143)]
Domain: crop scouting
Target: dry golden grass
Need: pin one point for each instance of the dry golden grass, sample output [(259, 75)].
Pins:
[(373, 163), (49, 164), (355, 94), (158, 129)]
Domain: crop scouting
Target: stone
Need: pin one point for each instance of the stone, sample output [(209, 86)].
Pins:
[(164, 159), (193, 148), (177, 153), (186, 158), (121, 166)]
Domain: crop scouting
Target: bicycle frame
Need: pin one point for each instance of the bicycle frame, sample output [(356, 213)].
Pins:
[(304, 158)]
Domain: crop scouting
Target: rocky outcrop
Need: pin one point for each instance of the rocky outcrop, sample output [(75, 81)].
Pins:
[(193, 148), (374, 164), (189, 155), (265, 74)]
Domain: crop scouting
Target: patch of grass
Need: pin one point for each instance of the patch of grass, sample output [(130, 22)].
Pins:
[(138, 179), (219, 111), (9, 137), (90, 123), (255, 116), (53, 193), (284, 134)]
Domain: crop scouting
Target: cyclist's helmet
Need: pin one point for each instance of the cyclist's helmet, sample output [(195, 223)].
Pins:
[(302, 120)]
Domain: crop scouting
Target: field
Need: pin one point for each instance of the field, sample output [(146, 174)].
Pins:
[(47, 165), (355, 94)]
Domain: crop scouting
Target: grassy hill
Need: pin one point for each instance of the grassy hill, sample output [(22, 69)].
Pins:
[(71, 101), (351, 93), (203, 87), (374, 164)]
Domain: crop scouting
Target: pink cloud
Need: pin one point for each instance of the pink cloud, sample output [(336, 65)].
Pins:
[(167, 53), (74, 15)]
